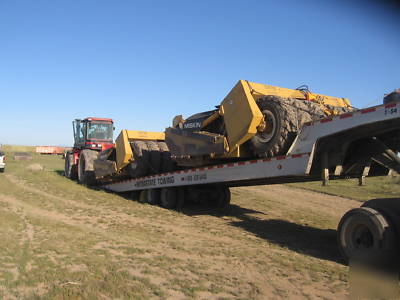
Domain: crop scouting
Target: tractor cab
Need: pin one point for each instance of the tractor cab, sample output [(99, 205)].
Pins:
[(93, 133)]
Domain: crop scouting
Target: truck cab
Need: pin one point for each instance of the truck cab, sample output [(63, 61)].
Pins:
[(93, 133)]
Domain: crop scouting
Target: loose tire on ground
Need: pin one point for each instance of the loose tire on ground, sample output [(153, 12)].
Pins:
[(85, 167), (364, 232)]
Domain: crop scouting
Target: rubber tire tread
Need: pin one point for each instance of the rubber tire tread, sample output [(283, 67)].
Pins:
[(385, 238), (141, 157), (69, 167), (291, 115), (88, 176), (155, 157), (167, 164)]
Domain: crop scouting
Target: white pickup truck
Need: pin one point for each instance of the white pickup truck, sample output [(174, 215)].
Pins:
[(2, 162)]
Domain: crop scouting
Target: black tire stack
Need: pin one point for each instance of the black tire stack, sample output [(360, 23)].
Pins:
[(150, 157)]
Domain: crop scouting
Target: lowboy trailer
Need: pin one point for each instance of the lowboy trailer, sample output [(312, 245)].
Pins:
[(351, 145)]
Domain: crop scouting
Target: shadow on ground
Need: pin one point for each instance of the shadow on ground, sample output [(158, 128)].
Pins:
[(316, 242), (304, 239)]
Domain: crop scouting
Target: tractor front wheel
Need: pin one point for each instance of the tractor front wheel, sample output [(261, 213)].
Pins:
[(85, 167)]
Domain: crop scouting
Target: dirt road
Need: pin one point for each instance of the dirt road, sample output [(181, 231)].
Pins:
[(60, 240)]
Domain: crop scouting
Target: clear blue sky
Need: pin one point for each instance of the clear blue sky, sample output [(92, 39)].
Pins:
[(143, 62)]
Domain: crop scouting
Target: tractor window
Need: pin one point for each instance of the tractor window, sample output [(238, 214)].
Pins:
[(100, 131), (79, 131)]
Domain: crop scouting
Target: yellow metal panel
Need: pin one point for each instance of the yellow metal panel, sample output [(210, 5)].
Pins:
[(145, 135), (123, 150), (259, 90), (241, 115)]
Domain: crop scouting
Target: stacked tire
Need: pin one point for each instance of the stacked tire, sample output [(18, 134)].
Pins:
[(150, 157)]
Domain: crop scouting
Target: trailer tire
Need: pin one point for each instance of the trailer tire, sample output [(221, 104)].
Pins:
[(140, 165), (168, 198), (85, 167), (365, 233), (70, 170), (143, 196), (224, 198), (153, 196)]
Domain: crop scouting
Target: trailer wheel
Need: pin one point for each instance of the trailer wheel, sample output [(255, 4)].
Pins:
[(224, 198), (70, 169), (140, 165), (85, 167), (153, 196), (168, 198), (364, 232), (143, 196)]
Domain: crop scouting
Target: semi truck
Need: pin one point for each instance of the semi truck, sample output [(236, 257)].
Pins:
[(328, 142)]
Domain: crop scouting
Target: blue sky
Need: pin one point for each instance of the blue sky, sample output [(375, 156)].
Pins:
[(143, 62)]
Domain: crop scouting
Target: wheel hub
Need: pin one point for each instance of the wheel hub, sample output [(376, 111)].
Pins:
[(362, 238), (267, 131)]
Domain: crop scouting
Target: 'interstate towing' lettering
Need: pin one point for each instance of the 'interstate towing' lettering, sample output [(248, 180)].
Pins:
[(155, 181)]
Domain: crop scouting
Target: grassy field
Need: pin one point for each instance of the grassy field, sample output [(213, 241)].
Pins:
[(61, 240), (376, 187)]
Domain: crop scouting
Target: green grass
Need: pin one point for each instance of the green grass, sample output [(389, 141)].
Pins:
[(376, 187), (61, 240)]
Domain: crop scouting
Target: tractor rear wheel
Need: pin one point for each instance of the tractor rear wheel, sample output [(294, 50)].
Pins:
[(70, 168), (85, 167)]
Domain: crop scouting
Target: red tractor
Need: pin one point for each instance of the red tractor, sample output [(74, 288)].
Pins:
[(91, 136)]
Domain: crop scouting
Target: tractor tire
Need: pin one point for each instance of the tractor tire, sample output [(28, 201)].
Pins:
[(168, 198), (364, 234), (155, 157), (284, 117), (140, 166), (85, 167), (70, 170), (167, 164)]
